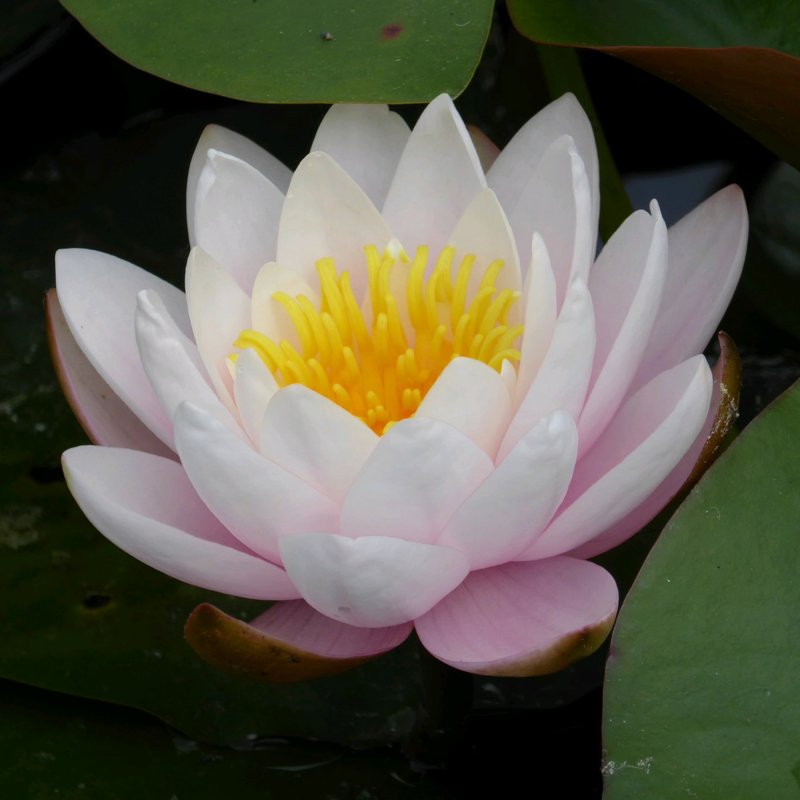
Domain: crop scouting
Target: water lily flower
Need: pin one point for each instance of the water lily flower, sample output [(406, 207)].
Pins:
[(399, 392)]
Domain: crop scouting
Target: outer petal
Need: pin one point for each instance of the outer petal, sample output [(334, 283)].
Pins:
[(522, 619), (253, 389), (438, 175), (288, 642), (236, 216), (512, 506), (374, 581), (626, 285), (219, 311), (646, 440), (706, 253), (556, 203), (483, 230), (171, 361), (313, 438), (146, 506), (366, 140), (257, 500), (513, 168), (104, 417), (327, 214), (471, 397), (563, 377), (215, 137), (720, 419), (98, 295), (417, 476)]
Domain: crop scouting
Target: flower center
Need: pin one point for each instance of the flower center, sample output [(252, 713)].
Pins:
[(380, 371)]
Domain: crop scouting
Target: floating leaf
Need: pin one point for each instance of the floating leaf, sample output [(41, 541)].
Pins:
[(270, 51), (702, 681)]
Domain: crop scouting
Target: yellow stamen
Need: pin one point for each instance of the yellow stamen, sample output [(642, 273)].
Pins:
[(378, 360)]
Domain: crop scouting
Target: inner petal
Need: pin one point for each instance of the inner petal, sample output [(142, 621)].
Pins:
[(377, 360)]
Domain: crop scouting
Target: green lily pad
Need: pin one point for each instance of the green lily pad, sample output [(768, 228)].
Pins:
[(270, 51), (58, 746), (702, 682), (741, 58)]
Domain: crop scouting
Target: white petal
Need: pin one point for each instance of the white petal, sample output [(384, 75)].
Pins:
[(486, 149), (366, 140), (97, 293), (236, 216), (563, 378), (438, 175), (418, 475), (315, 439), (483, 230), (374, 581), (146, 506), (626, 285), (215, 137), (512, 506), (471, 397), (172, 362), (326, 214), (219, 311), (641, 446), (254, 498), (706, 253), (516, 163), (253, 388), (539, 317), (556, 203)]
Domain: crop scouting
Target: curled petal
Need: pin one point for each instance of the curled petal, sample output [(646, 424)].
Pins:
[(288, 642), (522, 619), (367, 141), (105, 418), (146, 506), (374, 581)]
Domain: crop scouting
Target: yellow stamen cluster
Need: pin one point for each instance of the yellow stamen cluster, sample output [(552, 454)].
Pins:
[(381, 371)]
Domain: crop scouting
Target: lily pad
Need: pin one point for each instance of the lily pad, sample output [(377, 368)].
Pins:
[(702, 681), (741, 58), (270, 51)]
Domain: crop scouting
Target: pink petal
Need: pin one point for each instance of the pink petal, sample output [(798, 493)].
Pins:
[(626, 285), (563, 377), (706, 253), (556, 203), (645, 441), (256, 500), (288, 642), (327, 214), (472, 398), (438, 175), (366, 141), (316, 440), (146, 506), (253, 388), (515, 165), (522, 619), (236, 216), (98, 293), (104, 417), (720, 419), (374, 581), (417, 476), (219, 311), (172, 363), (512, 506), (215, 137)]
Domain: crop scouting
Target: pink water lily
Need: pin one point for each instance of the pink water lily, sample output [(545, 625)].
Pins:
[(400, 392)]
